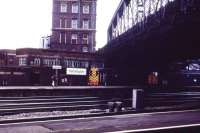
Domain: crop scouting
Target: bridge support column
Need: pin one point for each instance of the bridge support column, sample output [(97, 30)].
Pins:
[(137, 99)]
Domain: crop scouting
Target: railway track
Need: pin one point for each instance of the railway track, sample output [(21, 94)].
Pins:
[(12, 106), (180, 99), (16, 105)]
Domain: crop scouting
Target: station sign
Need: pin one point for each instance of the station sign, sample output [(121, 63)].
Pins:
[(76, 71), (57, 67)]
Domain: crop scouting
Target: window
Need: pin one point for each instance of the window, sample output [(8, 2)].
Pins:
[(60, 23), (60, 38), (22, 61), (63, 7), (86, 9), (56, 61), (51, 62), (74, 23), (87, 64), (85, 24), (74, 39), (74, 8), (85, 39), (85, 49), (46, 62), (66, 62), (72, 63), (65, 23), (84, 64), (69, 63), (65, 38), (76, 64), (37, 61)]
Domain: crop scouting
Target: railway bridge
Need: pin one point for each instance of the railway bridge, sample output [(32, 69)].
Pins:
[(145, 36)]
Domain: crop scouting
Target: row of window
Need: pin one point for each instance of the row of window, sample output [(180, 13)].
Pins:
[(76, 64), (74, 23), (74, 38), (75, 8), (50, 62)]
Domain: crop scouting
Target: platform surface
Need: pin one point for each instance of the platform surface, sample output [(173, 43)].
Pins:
[(63, 87), (109, 123)]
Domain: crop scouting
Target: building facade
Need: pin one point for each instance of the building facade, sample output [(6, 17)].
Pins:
[(74, 25), (29, 66), (7, 57)]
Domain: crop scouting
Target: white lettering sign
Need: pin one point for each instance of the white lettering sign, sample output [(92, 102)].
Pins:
[(76, 71), (57, 67)]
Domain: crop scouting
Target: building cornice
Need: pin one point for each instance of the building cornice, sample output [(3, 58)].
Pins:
[(71, 29), (66, 0), (77, 0), (25, 55)]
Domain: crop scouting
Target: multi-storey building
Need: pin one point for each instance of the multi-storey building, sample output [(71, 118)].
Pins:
[(70, 48), (74, 25)]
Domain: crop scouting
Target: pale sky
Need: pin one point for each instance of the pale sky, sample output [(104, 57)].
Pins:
[(24, 22)]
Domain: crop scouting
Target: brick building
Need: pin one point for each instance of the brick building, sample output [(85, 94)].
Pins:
[(74, 25), (7, 57), (30, 66)]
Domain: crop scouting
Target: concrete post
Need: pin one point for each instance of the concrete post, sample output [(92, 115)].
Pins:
[(118, 106), (137, 99), (111, 106)]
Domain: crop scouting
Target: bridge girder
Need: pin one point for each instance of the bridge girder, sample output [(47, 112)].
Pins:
[(136, 12)]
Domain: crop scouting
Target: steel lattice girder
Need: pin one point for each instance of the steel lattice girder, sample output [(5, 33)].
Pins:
[(132, 12)]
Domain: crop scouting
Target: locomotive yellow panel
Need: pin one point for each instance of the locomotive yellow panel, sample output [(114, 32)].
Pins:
[(94, 76)]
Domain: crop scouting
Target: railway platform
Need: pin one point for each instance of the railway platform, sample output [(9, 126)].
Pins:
[(141, 123), (27, 91)]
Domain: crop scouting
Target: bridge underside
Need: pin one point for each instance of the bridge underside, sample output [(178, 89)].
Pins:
[(134, 56)]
